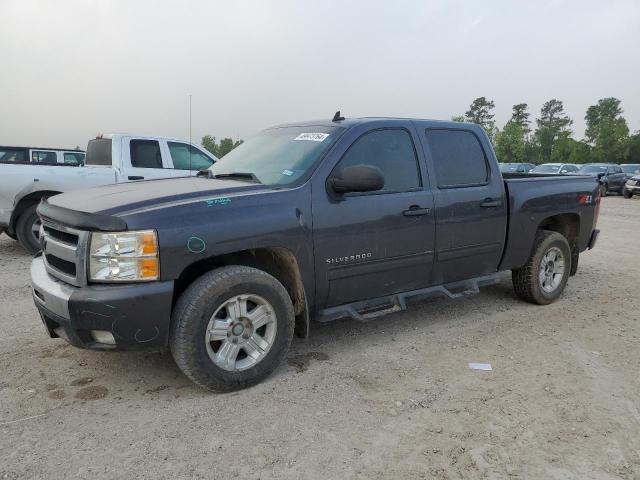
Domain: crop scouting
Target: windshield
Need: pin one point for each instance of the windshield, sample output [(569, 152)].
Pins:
[(278, 156), (547, 168), (593, 169), (508, 167), (631, 169)]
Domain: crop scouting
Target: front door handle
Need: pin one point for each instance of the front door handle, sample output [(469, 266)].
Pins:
[(416, 211), (135, 177), (490, 203)]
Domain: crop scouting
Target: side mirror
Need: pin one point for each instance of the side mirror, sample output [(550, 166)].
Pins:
[(358, 178), (564, 171)]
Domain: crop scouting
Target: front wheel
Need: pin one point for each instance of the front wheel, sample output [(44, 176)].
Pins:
[(627, 193), (543, 278), (231, 328), (28, 229)]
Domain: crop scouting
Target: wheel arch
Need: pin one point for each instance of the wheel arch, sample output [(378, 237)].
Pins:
[(26, 201), (568, 225), (278, 262)]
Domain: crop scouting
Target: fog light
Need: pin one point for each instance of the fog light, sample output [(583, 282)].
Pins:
[(102, 336)]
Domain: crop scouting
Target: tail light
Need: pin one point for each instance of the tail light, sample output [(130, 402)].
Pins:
[(597, 214)]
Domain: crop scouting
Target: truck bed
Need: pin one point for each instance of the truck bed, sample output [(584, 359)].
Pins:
[(535, 198)]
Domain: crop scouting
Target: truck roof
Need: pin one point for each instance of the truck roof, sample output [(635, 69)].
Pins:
[(351, 122), (141, 136), (43, 148)]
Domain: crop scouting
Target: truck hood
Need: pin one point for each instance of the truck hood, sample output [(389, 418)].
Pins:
[(114, 200)]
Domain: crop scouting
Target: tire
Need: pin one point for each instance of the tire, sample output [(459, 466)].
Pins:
[(627, 193), (202, 346), (27, 226), (527, 281)]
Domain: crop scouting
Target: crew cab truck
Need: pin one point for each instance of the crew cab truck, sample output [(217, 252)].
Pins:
[(319, 220), (110, 159)]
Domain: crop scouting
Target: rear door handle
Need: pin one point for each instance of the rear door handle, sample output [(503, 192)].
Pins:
[(135, 177), (490, 203), (416, 211)]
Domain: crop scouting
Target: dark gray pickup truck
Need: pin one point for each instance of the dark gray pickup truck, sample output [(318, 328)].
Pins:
[(317, 220)]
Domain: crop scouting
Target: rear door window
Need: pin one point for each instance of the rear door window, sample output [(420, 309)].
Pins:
[(44, 156), (13, 155), (458, 158), (145, 154), (188, 157)]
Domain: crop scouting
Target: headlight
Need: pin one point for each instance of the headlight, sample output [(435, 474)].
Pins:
[(124, 257)]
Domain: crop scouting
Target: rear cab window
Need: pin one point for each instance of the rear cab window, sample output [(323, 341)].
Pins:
[(99, 152), (458, 158)]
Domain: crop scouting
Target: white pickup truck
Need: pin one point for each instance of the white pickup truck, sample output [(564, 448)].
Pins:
[(110, 159)]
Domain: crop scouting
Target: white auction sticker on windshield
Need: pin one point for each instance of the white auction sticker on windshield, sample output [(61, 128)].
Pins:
[(312, 137)]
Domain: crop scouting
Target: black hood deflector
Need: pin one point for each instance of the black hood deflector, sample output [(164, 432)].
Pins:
[(80, 220)]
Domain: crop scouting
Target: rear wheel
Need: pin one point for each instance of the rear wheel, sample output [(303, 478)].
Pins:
[(28, 229), (231, 328), (544, 277)]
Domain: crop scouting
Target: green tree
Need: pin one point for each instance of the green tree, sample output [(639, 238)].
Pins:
[(552, 125), (480, 112), (569, 150), (520, 116), (510, 143), (632, 150), (219, 149), (458, 118), (607, 130)]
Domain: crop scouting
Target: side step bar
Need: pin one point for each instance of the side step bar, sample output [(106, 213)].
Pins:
[(368, 309)]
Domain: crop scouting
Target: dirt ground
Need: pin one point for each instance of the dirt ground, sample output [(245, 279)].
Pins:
[(392, 398)]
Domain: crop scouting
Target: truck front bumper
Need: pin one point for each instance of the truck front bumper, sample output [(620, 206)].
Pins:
[(103, 317), (633, 188)]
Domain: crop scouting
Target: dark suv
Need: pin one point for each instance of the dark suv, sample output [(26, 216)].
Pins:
[(610, 176)]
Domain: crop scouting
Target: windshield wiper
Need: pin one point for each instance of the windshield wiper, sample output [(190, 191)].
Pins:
[(237, 176)]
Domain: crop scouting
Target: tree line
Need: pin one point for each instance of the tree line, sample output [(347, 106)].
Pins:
[(606, 137), (219, 149)]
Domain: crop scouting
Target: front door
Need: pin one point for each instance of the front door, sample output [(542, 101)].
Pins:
[(379, 243)]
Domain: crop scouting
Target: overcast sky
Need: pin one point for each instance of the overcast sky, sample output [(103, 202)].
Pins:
[(72, 68)]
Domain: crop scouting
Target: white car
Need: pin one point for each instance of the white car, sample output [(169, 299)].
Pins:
[(556, 168), (41, 156), (110, 159)]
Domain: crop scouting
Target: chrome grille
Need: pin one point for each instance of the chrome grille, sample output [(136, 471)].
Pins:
[(64, 251)]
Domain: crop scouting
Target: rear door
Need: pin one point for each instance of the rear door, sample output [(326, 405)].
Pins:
[(143, 159), (470, 203), (369, 245)]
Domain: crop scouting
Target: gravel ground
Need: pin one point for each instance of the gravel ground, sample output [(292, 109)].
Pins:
[(392, 398)]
